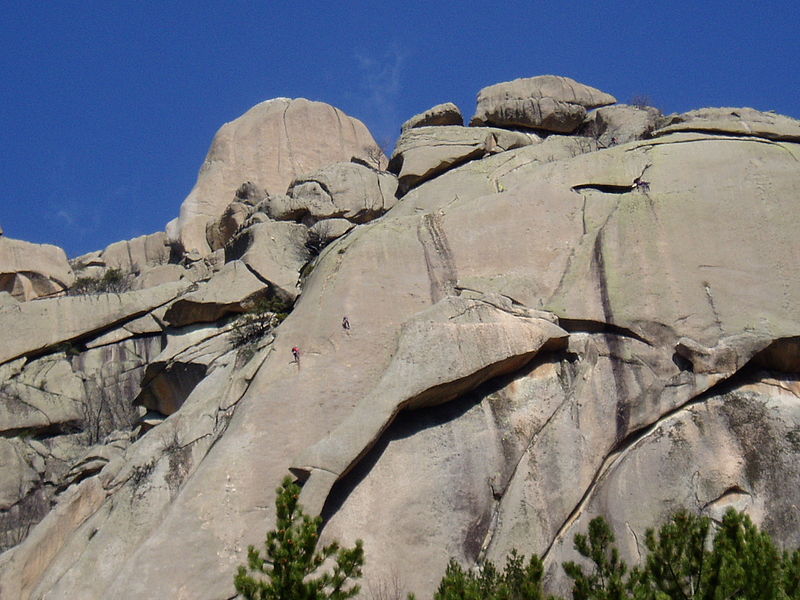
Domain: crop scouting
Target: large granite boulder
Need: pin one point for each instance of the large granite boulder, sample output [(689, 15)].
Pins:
[(348, 190), (270, 145), (132, 261), (138, 254), (321, 233), (425, 152), (230, 291), (29, 271), (546, 102)]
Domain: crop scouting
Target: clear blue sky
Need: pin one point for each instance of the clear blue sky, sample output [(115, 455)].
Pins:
[(108, 108)]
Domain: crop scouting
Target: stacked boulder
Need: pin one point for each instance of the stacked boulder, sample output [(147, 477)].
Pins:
[(435, 141), (546, 102)]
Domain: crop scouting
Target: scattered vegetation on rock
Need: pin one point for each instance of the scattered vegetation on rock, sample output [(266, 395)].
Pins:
[(291, 563), (641, 101), (113, 281), (255, 324)]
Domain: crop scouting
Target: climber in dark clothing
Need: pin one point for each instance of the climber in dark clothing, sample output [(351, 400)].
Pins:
[(345, 323)]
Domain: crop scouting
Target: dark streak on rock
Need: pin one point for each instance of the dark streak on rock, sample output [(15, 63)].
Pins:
[(438, 257), (614, 342)]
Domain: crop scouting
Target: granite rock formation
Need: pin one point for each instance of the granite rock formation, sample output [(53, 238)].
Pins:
[(270, 145), (540, 330)]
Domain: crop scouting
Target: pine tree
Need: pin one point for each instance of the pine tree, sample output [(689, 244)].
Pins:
[(683, 564), (517, 581), (607, 579), (676, 565), (291, 562), (744, 562), (791, 573)]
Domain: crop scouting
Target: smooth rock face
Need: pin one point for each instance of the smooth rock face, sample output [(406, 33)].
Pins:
[(545, 102), (414, 381), (441, 114), (270, 145), (29, 271), (534, 337), (425, 152)]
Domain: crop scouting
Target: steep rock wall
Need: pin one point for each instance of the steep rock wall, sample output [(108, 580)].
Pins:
[(536, 337)]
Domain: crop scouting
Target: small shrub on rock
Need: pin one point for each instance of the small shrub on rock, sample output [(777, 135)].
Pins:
[(641, 101), (255, 324), (113, 281)]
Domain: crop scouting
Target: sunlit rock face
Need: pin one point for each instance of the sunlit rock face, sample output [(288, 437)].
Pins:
[(536, 333), (270, 145)]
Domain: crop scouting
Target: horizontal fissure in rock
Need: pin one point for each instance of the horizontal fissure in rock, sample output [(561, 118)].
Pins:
[(605, 188), (590, 326)]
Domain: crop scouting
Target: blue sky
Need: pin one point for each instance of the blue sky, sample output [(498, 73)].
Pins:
[(108, 108)]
